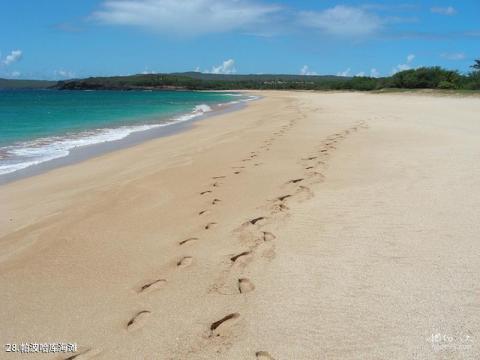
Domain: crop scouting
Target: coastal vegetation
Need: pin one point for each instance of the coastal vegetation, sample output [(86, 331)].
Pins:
[(419, 78), (476, 65)]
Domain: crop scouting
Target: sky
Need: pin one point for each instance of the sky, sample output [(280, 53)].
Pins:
[(61, 39)]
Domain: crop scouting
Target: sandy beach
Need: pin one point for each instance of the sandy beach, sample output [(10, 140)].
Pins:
[(304, 226)]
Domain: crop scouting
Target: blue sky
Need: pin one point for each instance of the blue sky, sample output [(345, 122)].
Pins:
[(58, 39)]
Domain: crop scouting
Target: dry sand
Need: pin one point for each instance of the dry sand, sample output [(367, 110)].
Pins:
[(306, 226)]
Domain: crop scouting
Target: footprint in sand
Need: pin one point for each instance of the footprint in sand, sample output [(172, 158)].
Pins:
[(304, 193), (219, 177), (210, 225), (184, 262), (283, 197), (215, 201), (254, 221), (316, 176), (263, 355), (188, 241), (205, 192), (268, 236), (204, 212), (281, 207), (152, 285), (294, 181), (245, 285), (235, 258), (219, 327), (138, 320)]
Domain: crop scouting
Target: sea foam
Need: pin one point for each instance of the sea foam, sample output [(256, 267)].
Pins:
[(25, 154)]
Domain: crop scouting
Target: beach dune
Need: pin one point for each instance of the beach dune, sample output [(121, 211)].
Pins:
[(304, 226)]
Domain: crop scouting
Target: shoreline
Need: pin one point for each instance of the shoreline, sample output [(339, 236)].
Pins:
[(86, 152)]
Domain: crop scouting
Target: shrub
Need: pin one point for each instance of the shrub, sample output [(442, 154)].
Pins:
[(425, 78), (446, 85), (473, 81)]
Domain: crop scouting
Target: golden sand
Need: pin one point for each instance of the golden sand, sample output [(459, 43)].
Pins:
[(305, 226)]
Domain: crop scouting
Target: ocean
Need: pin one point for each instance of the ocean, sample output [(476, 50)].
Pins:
[(41, 125)]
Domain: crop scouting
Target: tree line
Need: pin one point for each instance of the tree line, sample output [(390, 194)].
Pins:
[(420, 78)]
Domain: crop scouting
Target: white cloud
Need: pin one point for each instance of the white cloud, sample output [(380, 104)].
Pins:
[(13, 57), (227, 67), (344, 73), (187, 17), (342, 21), (447, 10), (147, 71), (406, 66), (401, 67), (15, 74), (306, 71), (454, 56), (64, 74), (374, 73), (360, 74)]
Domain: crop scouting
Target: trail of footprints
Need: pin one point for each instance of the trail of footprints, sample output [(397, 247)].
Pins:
[(313, 164)]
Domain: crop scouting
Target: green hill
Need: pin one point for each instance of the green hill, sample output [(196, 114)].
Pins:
[(421, 78), (200, 81)]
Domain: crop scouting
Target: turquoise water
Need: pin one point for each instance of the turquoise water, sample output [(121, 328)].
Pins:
[(41, 125)]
